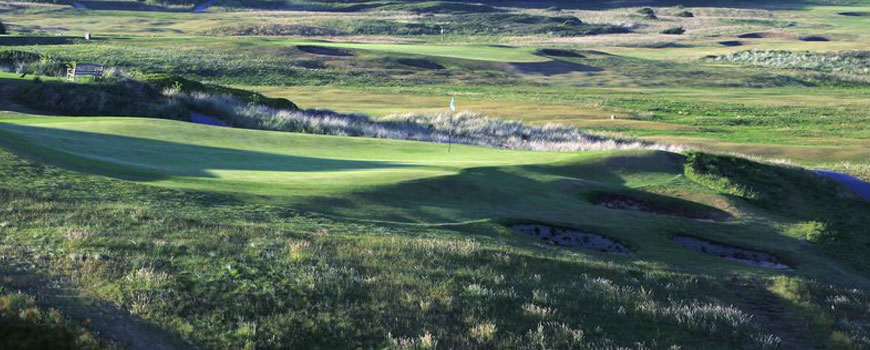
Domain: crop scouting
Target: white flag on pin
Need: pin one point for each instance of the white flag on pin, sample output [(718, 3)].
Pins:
[(452, 105)]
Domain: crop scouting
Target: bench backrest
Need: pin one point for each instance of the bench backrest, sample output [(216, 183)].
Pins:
[(88, 69), (85, 69)]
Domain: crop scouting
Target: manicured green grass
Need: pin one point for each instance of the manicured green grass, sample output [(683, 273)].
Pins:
[(476, 52), (316, 163)]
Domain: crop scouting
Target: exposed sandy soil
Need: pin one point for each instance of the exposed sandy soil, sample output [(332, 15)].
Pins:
[(420, 63), (567, 237), (623, 202), (323, 51), (741, 255)]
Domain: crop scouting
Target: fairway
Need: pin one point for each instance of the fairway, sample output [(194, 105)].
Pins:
[(494, 53)]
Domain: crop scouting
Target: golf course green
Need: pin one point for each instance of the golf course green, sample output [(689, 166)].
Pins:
[(618, 175)]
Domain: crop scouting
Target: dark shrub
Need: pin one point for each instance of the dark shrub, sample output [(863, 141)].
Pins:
[(125, 98), (273, 29), (165, 81), (375, 27), (2, 28), (647, 12), (674, 31), (13, 57), (33, 63), (686, 14)]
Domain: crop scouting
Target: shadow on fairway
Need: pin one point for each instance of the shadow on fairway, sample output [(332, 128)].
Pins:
[(141, 159), (38, 40), (553, 67), (541, 193)]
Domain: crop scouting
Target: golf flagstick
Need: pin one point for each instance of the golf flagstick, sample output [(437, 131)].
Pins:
[(450, 126)]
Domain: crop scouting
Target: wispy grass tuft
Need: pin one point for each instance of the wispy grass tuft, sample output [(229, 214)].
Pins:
[(462, 128)]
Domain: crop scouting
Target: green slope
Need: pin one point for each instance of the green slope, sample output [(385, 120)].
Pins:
[(229, 273), (416, 183)]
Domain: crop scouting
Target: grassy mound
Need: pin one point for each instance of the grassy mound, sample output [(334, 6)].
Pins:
[(441, 7), (129, 97), (784, 189), (824, 212), (647, 12)]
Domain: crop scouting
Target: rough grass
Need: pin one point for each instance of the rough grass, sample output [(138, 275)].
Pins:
[(226, 274), (24, 325), (463, 128)]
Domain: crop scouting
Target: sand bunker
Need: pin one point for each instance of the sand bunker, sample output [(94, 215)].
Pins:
[(559, 53), (572, 238), (730, 43), (743, 256), (666, 206), (752, 36), (814, 38), (553, 67), (420, 63), (855, 14), (596, 52), (323, 51)]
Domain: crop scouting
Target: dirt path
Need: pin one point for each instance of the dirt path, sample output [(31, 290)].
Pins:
[(106, 319)]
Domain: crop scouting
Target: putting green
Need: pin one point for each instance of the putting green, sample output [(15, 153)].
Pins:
[(157, 149)]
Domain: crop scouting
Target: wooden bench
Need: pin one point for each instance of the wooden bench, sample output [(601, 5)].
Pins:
[(83, 69)]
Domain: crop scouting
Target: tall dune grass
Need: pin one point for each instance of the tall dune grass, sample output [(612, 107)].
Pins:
[(463, 128), (843, 62)]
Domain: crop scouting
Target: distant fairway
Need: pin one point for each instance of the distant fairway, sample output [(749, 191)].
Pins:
[(469, 52)]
